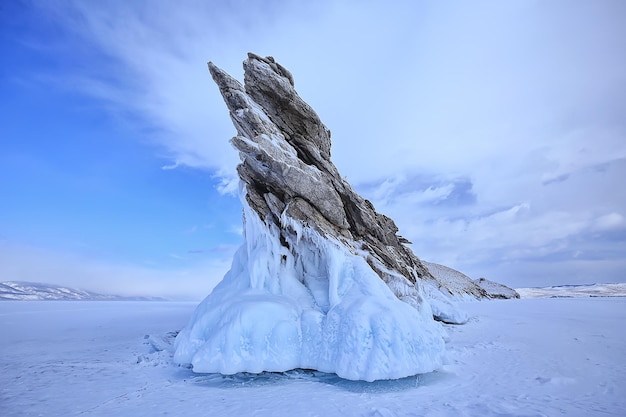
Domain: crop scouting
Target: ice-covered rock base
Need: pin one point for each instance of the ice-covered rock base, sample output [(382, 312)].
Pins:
[(314, 306), (322, 281)]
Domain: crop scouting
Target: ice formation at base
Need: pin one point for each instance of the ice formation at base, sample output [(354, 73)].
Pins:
[(316, 306)]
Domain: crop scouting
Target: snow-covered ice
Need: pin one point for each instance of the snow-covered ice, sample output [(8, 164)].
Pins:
[(309, 303), (529, 357)]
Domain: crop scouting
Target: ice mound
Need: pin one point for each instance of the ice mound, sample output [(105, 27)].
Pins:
[(316, 306)]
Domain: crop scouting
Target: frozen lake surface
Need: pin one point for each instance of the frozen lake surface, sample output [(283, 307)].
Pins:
[(529, 357)]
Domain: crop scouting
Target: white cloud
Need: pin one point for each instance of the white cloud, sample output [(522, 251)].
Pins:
[(175, 165), (611, 221), (457, 89), (523, 100)]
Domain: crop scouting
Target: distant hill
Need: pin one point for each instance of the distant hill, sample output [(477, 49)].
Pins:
[(575, 291), (34, 291)]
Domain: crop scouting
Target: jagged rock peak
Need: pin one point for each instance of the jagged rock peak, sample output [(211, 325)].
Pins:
[(286, 167), (304, 289)]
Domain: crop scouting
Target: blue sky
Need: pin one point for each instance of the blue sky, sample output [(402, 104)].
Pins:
[(492, 132)]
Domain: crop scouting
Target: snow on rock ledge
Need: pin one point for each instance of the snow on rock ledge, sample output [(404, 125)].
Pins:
[(322, 280)]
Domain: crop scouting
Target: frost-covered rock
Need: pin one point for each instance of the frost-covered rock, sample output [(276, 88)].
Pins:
[(454, 283), (322, 280), (495, 289)]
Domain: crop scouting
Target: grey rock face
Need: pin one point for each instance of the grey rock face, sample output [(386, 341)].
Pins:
[(454, 283), (496, 290), (286, 167)]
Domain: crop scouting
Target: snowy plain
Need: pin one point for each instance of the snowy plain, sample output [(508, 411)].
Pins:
[(528, 357)]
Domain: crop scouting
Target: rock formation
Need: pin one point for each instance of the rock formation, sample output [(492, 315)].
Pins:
[(496, 290), (454, 283), (286, 166), (322, 280)]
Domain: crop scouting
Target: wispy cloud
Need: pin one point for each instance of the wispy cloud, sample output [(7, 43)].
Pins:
[(503, 110), (175, 165)]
